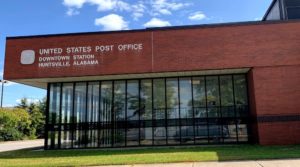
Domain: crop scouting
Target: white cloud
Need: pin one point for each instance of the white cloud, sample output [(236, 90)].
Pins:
[(197, 16), (155, 22), (74, 3), (72, 12), (165, 7), (102, 5), (138, 10), (29, 100), (112, 22)]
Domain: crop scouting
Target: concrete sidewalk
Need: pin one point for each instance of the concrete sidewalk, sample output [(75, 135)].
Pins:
[(258, 163), (18, 145)]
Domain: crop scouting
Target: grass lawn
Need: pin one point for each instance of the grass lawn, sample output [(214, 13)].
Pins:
[(149, 155)]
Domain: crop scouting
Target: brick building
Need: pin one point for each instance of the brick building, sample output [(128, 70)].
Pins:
[(184, 85)]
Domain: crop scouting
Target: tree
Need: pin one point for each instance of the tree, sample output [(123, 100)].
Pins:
[(37, 115)]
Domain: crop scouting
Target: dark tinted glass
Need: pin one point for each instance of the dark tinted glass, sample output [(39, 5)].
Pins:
[(293, 13), (291, 3)]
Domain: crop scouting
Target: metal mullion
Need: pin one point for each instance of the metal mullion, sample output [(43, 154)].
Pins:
[(85, 123), (207, 123), (74, 126), (112, 114), (91, 123), (179, 110), (152, 94), (126, 122), (193, 110), (166, 111), (220, 119), (234, 108), (60, 116), (47, 117), (139, 110), (99, 113)]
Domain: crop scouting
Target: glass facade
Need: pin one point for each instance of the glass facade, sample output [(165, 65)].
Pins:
[(148, 112)]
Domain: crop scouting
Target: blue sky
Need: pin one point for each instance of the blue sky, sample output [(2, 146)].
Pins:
[(33, 17)]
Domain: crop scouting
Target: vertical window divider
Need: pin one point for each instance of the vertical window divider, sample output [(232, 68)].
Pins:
[(60, 115), (139, 110), (220, 118), (193, 110), (47, 118), (99, 114), (85, 124), (126, 120), (179, 110), (234, 108), (207, 119), (92, 123), (152, 125), (74, 127), (166, 112), (112, 115)]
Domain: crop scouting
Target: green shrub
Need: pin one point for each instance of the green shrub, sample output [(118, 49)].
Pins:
[(15, 124)]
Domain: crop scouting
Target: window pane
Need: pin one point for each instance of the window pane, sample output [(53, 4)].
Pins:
[(173, 111), (242, 130), (201, 131), (132, 112), (92, 113), (159, 110), (241, 97), (227, 109), (291, 3), (67, 109), (105, 114), (146, 112), (199, 91), (186, 110), (159, 98), (119, 113), (54, 109), (133, 100), (215, 131), (212, 88), (229, 131), (293, 13), (54, 103), (240, 90), (80, 114)]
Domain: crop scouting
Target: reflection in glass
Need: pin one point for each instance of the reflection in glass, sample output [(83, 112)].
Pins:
[(92, 112), (80, 114), (67, 108), (162, 111), (105, 139), (186, 110), (240, 93), (173, 111), (159, 111), (54, 107), (133, 112), (119, 113), (146, 112)]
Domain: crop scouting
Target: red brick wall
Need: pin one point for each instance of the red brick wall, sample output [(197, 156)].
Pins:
[(191, 49), (275, 91)]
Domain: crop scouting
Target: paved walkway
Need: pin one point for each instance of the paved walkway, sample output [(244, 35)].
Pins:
[(259, 163), (18, 145)]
